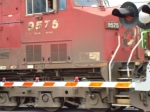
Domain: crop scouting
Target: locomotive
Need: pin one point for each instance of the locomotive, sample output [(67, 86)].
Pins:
[(73, 53)]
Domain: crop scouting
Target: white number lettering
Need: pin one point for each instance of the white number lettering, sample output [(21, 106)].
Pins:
[(38, 25), (47, 23), (117, 25), (30, 26), (110, 25), (113, 25), (55, 24)]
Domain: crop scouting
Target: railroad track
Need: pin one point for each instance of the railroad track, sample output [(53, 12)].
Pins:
[(64, 110)]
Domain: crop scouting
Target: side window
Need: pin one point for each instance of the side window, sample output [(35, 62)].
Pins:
[(39, 6), (29, 6), (36, 6), (62, 4), (87, 3), (44, 6)]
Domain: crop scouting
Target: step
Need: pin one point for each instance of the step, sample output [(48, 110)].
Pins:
[(137, 63), (122, 96), (124, 78), (121, 105), (123, 70), (123, 101)]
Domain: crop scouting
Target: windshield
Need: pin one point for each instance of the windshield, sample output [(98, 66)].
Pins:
[(86, 2), (106, 3), (120, 2)]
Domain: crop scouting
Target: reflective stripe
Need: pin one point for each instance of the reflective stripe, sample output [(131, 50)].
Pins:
[(27, 84), (8, 83), (123, 84), (49, 84), (71, 84), (96, 84)]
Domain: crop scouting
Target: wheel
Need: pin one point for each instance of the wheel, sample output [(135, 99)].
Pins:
[(54, 109), (71, 106), (113, 109), (10, 108)]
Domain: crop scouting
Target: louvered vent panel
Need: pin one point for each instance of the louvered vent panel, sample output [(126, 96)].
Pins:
[(58, 52), (29, 53), (37, 53), (33, 53), (4, 55), (62, 52), (54, 56), (54, 48), (54, 52)]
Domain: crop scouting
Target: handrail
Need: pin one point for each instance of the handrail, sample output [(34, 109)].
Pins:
[(129, 59), (113, 56), (133, 51)]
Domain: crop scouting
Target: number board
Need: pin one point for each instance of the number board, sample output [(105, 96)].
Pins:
[(112, 25)]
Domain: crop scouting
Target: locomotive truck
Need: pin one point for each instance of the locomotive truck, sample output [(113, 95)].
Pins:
[(73, 53)]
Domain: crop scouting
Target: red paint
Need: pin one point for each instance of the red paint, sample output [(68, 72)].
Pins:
[(85, 27)]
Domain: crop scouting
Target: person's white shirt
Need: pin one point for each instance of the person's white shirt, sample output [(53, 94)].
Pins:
[(49, 9)]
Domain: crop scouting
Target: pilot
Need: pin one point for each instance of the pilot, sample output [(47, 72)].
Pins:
[(49, 5)]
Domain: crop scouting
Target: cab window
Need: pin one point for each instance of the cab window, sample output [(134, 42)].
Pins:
[(86, 2), (44, 6), (39, 6), (36, 6)]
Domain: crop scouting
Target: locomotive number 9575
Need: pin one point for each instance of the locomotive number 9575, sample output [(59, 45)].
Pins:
[(38, 25), (112, 25)]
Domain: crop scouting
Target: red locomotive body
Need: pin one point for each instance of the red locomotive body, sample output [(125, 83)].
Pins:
[(73, 38), (68, 37)]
